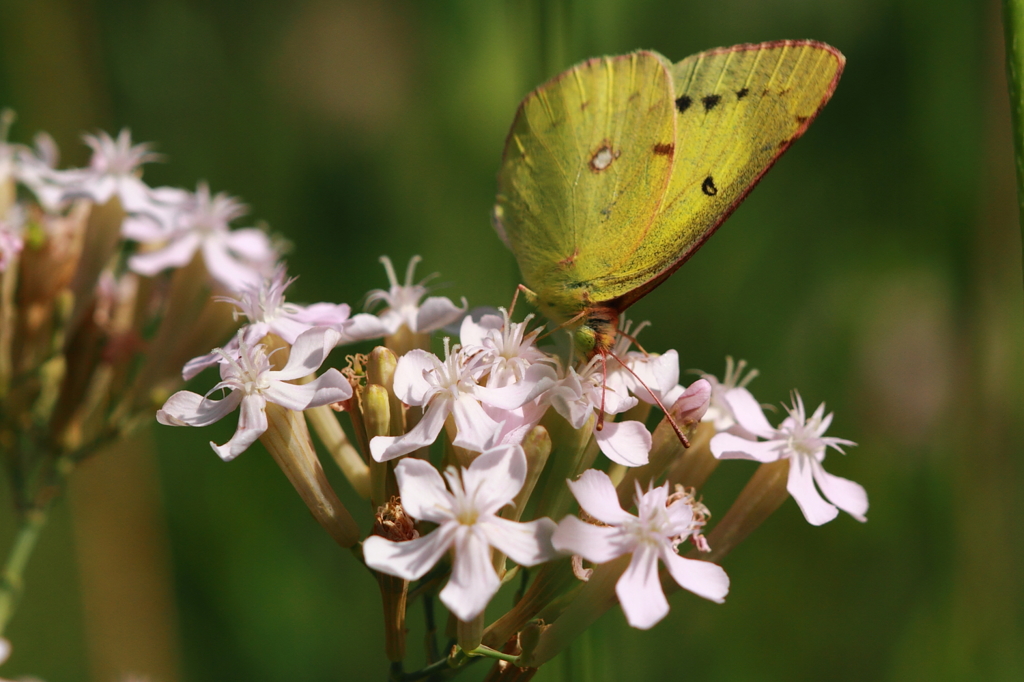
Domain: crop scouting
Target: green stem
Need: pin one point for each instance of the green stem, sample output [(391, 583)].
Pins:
[(1013, 26), (11, 580)]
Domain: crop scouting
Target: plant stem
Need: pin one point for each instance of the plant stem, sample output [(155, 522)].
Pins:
[(11, 580), (1013, 27)]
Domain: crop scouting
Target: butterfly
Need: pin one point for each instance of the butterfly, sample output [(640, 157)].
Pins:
[(616, 171)]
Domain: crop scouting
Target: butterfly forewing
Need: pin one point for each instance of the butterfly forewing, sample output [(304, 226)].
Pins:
[(586, 168), (737, 109)]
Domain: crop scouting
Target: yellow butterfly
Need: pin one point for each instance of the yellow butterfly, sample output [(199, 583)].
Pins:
[(616, 171)]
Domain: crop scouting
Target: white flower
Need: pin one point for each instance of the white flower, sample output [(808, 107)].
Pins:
[(659, 373), (663, 523), (5, 650), (113, 170), (468, 521), (732, 405), (253, 384), (800, 439), (403, 303), (577, 396), (190, 222), (268, 313), (507, 350), (451, 388)]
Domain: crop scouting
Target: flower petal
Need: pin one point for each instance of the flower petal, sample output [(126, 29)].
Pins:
[(628, 443), (728, 446), (495, 477), (843, 493), (362, 327), (527, 544), (250, 243), (748, 412), (801, 486), (639, 590), (186, 408), (597, 544), (596, 494), (473, 580), (330, 387), (703, 578), (410, 559), (436, 312), (475, 428), (424, 495), (411, 385), (252, 423), (383, 448), (307, 354), (537, 379), (176, 254), (224, 267)]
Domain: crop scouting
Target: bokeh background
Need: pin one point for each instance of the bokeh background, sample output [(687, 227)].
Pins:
[(877, 267)]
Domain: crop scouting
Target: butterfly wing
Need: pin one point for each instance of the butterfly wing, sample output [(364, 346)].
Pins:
[(585, 170), (737, 110)]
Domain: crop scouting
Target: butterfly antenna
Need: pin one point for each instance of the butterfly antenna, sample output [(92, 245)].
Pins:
[(515, 297), (636, 343), (565, 324), (668, 415), (604, 388)]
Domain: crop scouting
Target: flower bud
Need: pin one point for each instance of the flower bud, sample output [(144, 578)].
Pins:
[(380, 370), (376, 410)]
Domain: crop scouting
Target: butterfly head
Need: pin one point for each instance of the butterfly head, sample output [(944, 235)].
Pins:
[(596, 335)]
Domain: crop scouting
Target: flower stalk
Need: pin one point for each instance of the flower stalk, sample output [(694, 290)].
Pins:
[(287, 440), (764, 493)]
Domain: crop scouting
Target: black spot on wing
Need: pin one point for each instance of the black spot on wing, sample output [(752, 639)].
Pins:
[(664, 149), (708, 186), (710, 101), (740, 94), (683, 103)]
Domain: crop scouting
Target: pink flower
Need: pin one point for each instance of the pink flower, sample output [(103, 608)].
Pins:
[(113, 170), (663, 522), (188, 223), (268, 313), (732, 405), (577, 396), (466, 514), (402, 303), (451, 388), (800, 439), (252, 384)]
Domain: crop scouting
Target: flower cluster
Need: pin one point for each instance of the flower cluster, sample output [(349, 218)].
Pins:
[(107, 286), (474, 459), (517, 430)]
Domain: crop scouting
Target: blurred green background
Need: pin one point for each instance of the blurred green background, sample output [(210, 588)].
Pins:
[(877, 267)]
